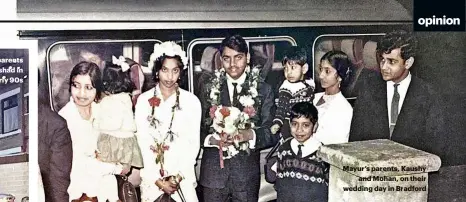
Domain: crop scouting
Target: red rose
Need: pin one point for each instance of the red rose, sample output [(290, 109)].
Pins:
[(154, 101), (225, 112), (212, 111), (250, 111)]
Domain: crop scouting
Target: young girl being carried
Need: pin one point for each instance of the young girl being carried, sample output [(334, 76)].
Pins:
[(117, 142)]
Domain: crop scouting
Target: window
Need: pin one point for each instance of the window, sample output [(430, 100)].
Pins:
[(63, 56), (361, 50), (265, 52), (10, 114)]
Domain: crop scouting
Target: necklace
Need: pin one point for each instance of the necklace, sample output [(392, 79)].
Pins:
[(159, 148), (155, 102)]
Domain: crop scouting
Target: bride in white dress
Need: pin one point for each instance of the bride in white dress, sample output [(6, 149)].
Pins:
[(168, 128)]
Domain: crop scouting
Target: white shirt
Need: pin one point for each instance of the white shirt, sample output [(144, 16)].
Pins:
[(182, 153), (335, 117), (309, 146), (230, 81), (296, 86), (239, 82), (88, 175), (402, 89)]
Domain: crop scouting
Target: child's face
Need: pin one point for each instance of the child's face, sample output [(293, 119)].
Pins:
[(294, 72), (301, 129)]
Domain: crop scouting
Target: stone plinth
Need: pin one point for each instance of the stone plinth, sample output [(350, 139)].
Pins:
[(378, 170)]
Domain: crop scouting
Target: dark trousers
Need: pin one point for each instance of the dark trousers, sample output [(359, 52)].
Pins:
[(237, 193)]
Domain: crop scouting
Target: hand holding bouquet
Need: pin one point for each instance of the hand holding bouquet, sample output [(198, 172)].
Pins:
[(232, 128)]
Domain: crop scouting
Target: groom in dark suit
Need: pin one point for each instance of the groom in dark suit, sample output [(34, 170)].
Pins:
[(240, 176), (396, 105)]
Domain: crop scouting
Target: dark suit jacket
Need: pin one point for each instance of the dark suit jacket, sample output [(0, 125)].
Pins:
[(419, 124), (55, 154), (243, 169)]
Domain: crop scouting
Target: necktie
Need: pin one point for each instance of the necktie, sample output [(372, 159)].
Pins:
[(394, 110), (235, 95), (300, 152)]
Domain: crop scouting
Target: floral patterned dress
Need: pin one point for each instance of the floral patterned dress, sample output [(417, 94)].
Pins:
[(181, 153)]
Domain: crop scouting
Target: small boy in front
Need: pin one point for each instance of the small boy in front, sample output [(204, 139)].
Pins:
[(301, 176)]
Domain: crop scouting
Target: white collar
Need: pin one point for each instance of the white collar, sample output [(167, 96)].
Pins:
[(403, 83), (292, 87), (329, 98), (240, 80), (309, 146)]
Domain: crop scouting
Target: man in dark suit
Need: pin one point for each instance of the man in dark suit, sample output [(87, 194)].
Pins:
[(55, 154), (396, 105), (240, 176)]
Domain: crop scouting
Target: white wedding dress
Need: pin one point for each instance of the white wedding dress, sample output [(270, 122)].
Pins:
[(182, 153)]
